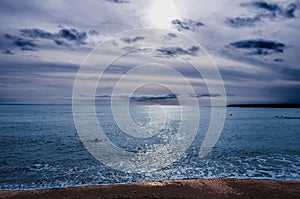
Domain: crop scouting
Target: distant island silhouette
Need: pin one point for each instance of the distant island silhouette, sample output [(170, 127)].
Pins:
[(265, 105)]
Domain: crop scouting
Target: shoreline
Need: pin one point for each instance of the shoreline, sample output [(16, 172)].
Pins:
[(195, 188)]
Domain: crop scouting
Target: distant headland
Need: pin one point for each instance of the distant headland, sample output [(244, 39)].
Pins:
[(265, 105)]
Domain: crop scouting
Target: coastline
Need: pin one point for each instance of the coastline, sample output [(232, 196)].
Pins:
[(195, 188), (264, 105)]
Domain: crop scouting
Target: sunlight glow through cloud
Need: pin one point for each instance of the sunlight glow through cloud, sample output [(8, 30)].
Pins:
[(162, 13)]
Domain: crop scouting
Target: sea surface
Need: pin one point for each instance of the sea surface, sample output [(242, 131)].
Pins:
[(40, 147)]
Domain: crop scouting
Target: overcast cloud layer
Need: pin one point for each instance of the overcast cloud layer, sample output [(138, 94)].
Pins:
[(255, 44)]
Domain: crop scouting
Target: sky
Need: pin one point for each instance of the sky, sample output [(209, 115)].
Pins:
[(254, 44)]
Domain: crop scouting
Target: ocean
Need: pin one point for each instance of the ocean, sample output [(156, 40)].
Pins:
[(40, 147)]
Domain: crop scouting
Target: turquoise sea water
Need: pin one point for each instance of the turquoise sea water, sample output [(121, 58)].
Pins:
[(40, 147)]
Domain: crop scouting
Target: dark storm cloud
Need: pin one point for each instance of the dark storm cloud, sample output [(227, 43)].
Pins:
[(64, 33), (132, 40), (242, 21), (61, 43), (278, 60), (274, 9), (37, 33), (154, 98), (268, 11), (24, 44), (118, 1), (73, 35), (267, 6), (259, 47), (28, 38), (7, 52), (289, 12), (168, 52), (187, 24)]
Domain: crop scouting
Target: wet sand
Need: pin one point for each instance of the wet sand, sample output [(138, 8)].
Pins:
[(196, 188)]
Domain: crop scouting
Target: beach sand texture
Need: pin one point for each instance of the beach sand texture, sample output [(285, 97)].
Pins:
[(196, 188)]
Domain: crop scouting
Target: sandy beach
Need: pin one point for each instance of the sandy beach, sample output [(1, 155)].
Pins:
[(196, 188)]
